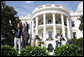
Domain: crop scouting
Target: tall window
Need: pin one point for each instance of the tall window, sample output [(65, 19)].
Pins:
[(74, 34), (73, 24), (49, 21), (65, 24), (56, 22), (41, 23), (50, 34), (42, 35)]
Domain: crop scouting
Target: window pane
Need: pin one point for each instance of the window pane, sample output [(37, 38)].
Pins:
[(50, 34), (73, 24), (49, 21), (74, 34)]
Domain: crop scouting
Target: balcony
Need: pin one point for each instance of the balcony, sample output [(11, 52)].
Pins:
[(49, 23)]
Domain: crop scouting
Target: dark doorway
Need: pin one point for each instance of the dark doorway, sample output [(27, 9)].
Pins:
[(50, 47)]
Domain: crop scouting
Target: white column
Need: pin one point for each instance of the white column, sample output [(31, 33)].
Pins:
[(68, 29), (54, 26), (63, 28), (44, 27), (36, 25), (15, 45), (19, 44), (71, 28), (32, 29)]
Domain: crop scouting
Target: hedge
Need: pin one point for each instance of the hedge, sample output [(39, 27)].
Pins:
[(7, 50), (78, 42), (33, 51), (68, 50)]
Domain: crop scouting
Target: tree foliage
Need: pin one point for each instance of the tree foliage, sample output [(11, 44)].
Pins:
[(81, 25), (8, 13)]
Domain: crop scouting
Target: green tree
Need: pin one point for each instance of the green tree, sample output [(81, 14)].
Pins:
[(81, 25), (8, 13)]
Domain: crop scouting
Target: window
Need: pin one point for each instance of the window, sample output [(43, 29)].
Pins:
[(41, 23), (73, 24), (42, 35), (39, 7), (74, 34), (48, 5), (49, 21), (65, 24), (50, 34), (57, 5), (56, 22)]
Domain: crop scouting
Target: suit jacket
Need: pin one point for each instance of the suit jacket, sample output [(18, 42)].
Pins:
[(25, 32), (20, 33)]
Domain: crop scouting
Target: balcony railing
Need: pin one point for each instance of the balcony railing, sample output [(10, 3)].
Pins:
[(51, 24)]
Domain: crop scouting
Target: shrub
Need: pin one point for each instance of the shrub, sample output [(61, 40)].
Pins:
[(78, 42), (68, 50), (33, 51), (7, 50)]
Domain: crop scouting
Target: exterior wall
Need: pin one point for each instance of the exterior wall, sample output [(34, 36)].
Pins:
[(49, 27), (74, 17)]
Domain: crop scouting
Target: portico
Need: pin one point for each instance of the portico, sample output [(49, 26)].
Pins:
[(55, 21)]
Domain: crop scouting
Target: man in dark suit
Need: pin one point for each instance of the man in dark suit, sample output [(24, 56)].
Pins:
[(25, 35), (27, 25)]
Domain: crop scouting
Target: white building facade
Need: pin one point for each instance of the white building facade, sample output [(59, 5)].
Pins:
[(48, 20)]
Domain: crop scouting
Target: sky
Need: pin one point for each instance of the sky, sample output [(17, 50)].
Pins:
[(24, 8)]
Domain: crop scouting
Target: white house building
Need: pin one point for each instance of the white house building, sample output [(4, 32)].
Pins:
[(48, 20)]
